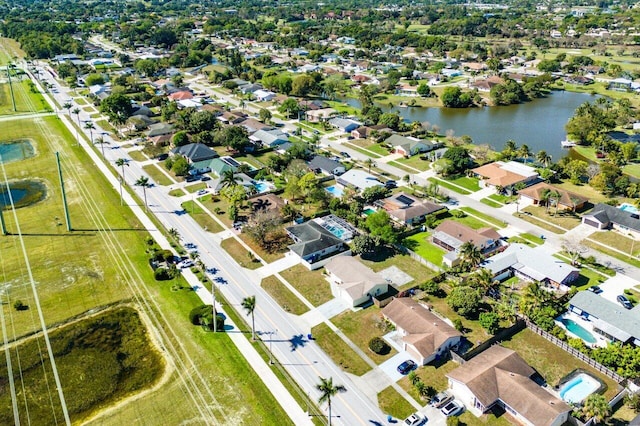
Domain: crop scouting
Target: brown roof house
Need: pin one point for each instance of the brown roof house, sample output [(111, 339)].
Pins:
[(451, 235), (426, 336), (505, 175), (499, 377), (567, 200), (407, 209), (354, 282)]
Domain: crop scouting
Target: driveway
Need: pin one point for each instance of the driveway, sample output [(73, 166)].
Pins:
[(615, 286)]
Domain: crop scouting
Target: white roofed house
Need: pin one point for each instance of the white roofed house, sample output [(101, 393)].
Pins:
[(358, 179), (264, 95), (354, 282), (344, 124)]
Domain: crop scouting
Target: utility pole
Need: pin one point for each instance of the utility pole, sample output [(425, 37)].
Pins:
[(64, 195), (213, 295), (13, 99), (3, 226)]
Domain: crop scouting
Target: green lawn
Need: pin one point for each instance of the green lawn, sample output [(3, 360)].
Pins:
[(503, 199), (137, 156), (362, 150), (446, 184), (240, 254), (419, 243), (338, 350), (630, 260), (202, 217), (26, 100), (563, 220), (532, 238), (157, 175), (490, 220), (470, 221), (360, 327), (491, 203), (371, 146), (195, 187), (80, 100), (283, 296), (386, 258), (311, 284), (391, 402), (416, 162), (178, 192), (403, 167), (469, 183), (618, 241), (434, 376), (473, 331)]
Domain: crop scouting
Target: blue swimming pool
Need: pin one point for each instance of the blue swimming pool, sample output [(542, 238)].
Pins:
[(578, 388), (263, 186), (629, 208), (578, 330), (334, 190), (368, 211)]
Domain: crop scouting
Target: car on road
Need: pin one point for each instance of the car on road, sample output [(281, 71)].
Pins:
[(192, 178), (201, 192), (390, 184), (407, 366), (345, 154), (205, 178), (624, 302), (595, 289), (415, 419), (187, 263), (441, 399), (453, 408)]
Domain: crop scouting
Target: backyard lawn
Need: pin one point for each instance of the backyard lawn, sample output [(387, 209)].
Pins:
[(360, 327), (311, 284), (420, 244), (283, 296), (338, 350), (386, 258), (240, 254)]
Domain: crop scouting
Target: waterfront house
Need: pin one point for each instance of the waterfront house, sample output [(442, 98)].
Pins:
[(505, 175), (604, 216), (353, 282), (408, 146), (500, 377), (566, 200), (425, 336)]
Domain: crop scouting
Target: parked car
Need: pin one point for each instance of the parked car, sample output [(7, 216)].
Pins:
[(595, 289), (201, 192), (192, 178), (390, 184), (407, 366), (205, 178), (624, 302), (441, 399), (345, 154), (187, 263), (453, 408), (415, 419)]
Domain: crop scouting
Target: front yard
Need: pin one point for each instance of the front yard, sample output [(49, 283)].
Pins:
[(311, 284), (283, 296), (391, 402), (338, 350), (157, 175), (240, 254)]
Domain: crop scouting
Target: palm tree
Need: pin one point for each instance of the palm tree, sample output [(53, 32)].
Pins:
[(328, 391), (554, 197), (143, 181), (524, 152), (368, 162), (173, 233), (120, 162), (91, 127), (100, 141), (543, 158), (67, 106), (483, 280), (545, 195), (596, 406), (470, 255), (249, 305), (229, 179)]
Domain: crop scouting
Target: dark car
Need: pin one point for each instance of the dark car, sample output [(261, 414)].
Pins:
[(390, 184), (345, 154), (162, 157), (407, 366), (192, 178), (624, 302), (595, 289)]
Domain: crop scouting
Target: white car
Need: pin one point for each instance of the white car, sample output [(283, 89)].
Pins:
[(185, 264), (416, 419), (454, 408)]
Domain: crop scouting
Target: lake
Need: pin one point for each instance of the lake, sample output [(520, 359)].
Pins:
[(539, 123)]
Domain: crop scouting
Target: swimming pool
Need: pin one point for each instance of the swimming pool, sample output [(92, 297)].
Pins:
[(578, 388), (263, 186), (629, 208), (334, 190), (578, 330), (368, 211)]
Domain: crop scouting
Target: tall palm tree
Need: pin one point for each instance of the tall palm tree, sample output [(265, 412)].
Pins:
[(328, 390), (483, 280), (121, 162), (67, 106), (143, 181), (173, 233), (554, 198), (596, 406), (524, 152), (543, 158), (368, 162), (229, 179), (470, 255), (91, 127), (249, 305)]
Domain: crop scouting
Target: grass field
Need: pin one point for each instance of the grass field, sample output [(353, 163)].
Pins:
[(420, 244), (157, 175), (240, 254), (26, 100), (338, 350), (391, 402), (446, 184), (311, 284), (283, 296)]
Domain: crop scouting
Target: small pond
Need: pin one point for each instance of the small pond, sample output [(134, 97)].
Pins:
[(15, 150), (23, 192)]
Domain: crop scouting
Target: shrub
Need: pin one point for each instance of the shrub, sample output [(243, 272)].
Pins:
[(161, 274), (457, 323), (379, 346), (430, 287), (201, 315), (458, 213), (490, 322), (453, 421), (20, 306)]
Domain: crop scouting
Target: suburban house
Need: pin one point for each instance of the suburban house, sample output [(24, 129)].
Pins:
[(313, 243), (269, 137), (604, 216), (485, 84), (195, 152), (607, 318), (353, 282), (264, 95), (160, 129), (505, 175), (426, 336), (364, 132), (320, 163), (345, 125), (500, 377), (358, 179), (451, 235), (252, 125), (320, 115), (407, 209), (181, 95), (409, 146), (532, 264), (216, 165), (566, 200)]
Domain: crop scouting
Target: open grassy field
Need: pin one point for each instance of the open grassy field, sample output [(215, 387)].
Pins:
[(9, 49), (26, 100)]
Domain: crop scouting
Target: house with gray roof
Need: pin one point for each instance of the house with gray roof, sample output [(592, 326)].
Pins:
[(344, 124), (532, 264), (358, 179), (195, 152), (160, 129), (604, 216), (607, 318), (320, 163), (354, 282), (269, 137), (313, 243), (409, 146)]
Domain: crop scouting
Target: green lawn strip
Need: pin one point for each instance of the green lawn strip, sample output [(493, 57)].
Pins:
[(178, 192), (419, 243), (618, 241), (80, 100), (195, 187), (240, 254), (491, 203), (532, 238), (623, 257), (338, 350), (88, 109), (416, 162), (137, 155), (632, 170), (202, 217), (360, 327), (311, 284), (391, 402), (386, 258), (468, 183), (104, 124), (157, 175), (550, 361), (283, 296), (540, 223), (446, 184), (472, 221), (503, 199), (403, 167), (492, 221), (362, 150), (265, 255)]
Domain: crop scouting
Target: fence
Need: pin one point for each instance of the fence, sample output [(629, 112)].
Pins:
[(563, 345), (498, 337), (418, 258)]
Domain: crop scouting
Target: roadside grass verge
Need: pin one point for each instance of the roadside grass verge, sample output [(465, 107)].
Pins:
[(157, 175), (195, 187), (338, 350), (491, 221), (311, 284), (446, 184), (623, 257), (391, 402), (202, 217), (283, 296), (240, 254), (491, 203), (137, 155)]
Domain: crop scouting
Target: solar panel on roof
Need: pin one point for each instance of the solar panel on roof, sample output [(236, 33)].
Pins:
[(404, 199), (230, 161)]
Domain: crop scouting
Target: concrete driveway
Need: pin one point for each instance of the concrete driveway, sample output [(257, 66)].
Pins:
[(615, 286)]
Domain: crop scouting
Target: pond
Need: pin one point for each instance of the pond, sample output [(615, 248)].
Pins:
[(15, 150), (23, 193), (539, 123)]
